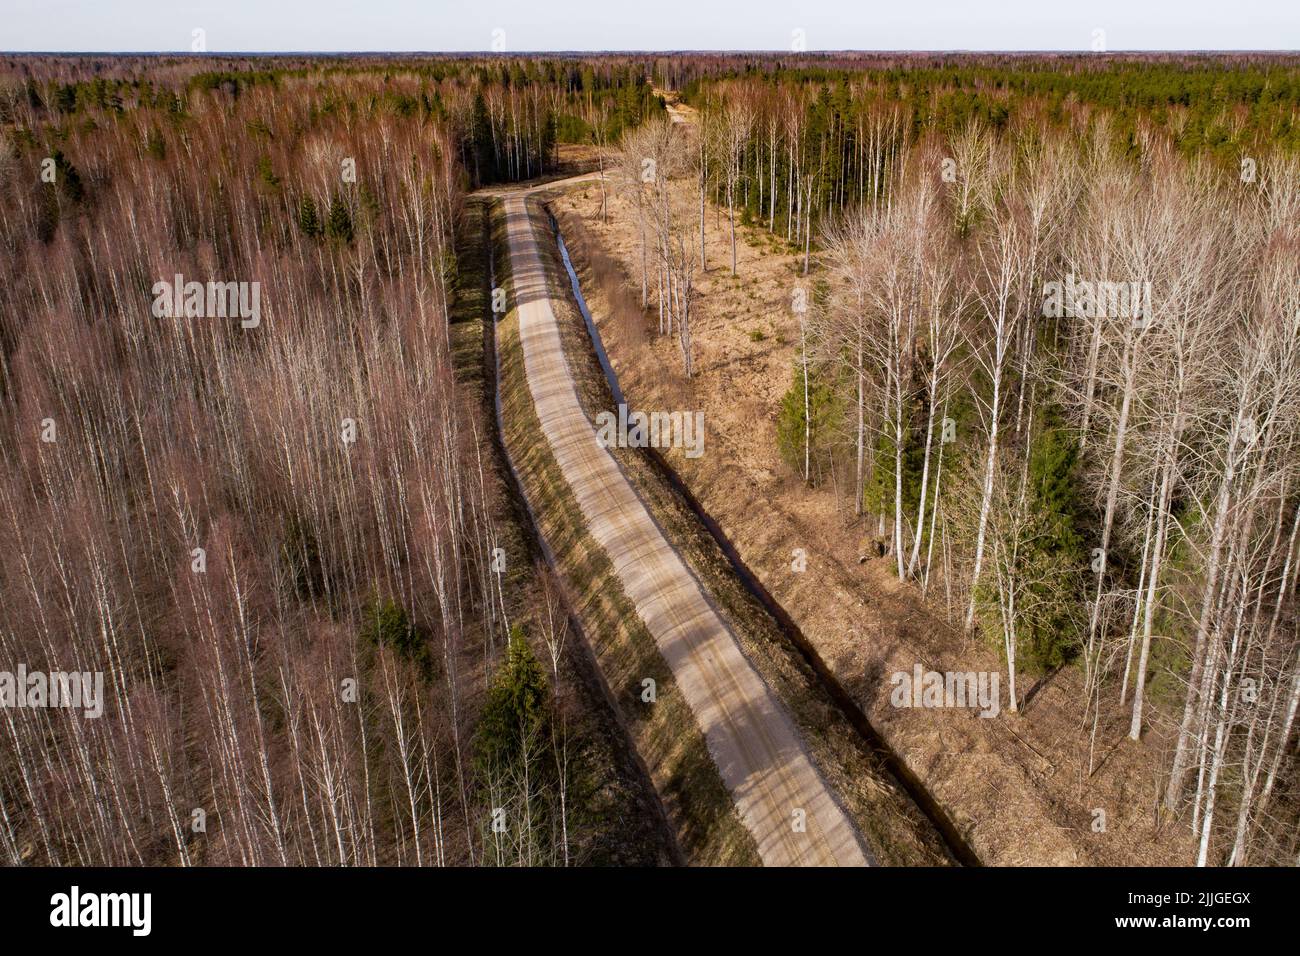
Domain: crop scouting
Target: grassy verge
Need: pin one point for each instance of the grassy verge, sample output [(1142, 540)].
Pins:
[(665, 733), (614, 816)]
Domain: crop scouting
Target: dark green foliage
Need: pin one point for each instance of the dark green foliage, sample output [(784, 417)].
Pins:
[(338, 224), (301, 552), (65, 97), (1208, 108), (1049, 574), (47, 213), (232, 82), (1054, 557), (258, 127), (367, 205), (878, 495), (572, 129), (266, 173), (824, 410), (515, 721), (481, 150), (497, 149), (1054, 481), (22, 138), (385, 623), (50, 196), (308, 219), (67, 178)]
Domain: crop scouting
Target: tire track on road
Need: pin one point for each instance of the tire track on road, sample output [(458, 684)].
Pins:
[(752, 740)]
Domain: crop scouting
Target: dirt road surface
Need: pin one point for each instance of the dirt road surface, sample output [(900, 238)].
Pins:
[(782, 800)]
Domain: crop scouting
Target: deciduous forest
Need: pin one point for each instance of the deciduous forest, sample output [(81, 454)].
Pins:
[(1048, 357)]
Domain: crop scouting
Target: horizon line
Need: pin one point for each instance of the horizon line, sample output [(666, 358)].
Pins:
[(213, 54)]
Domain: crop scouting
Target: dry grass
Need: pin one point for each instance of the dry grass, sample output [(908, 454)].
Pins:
[(666, 734), (1018, 789), (895, 829)]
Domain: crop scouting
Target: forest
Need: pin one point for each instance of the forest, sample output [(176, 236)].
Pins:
[(1049, 340), (282, 543)]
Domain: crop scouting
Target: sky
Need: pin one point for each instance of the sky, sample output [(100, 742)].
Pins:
[(551, 25)]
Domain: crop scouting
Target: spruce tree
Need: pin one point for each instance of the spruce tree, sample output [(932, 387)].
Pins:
[(515, 717), (338, 225), (308, 219)]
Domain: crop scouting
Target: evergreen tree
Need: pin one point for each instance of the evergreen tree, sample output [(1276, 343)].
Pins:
[(385, 622), (515, 717), (65, 97), (1055, 557), (1038, 562), (338, 225), (878, 495), (308, 219), (485, 161), (68, 179), (266, 173), (824, 411)]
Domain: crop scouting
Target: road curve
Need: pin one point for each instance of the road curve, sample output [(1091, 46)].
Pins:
[(750, 737)]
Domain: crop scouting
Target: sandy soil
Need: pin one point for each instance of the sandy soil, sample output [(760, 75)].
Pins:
[(678, 111)]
